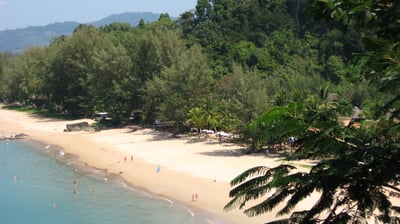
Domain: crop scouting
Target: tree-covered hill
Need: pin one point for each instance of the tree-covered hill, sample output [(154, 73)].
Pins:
[(131, 18), (264, 70), (15, 41), (256, 54)]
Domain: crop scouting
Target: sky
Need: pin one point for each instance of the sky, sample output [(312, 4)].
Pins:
[(23, 13)]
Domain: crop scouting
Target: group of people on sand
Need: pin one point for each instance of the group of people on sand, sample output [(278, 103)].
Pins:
[(194, 197), (125, 158)]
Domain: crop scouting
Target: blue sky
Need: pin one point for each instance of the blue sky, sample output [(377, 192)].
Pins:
[(22, 13)]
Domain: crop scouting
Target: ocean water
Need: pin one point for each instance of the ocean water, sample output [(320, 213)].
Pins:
[(37, 186)]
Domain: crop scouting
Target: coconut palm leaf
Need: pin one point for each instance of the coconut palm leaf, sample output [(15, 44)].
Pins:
[(255, 183)]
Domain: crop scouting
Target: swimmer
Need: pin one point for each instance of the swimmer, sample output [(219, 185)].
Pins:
[(94, 192)]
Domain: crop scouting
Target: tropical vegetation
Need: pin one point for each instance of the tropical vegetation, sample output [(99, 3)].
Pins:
[(357, 173), (264, 70)]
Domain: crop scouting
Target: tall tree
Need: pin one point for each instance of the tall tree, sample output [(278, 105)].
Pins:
[(76, 66), (57, 79), (24, 76), (181, 86), (6, 59), (246, 93), (110, 82)]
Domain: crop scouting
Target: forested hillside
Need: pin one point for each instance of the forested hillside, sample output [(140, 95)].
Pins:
[(264, 70), (229, 61)]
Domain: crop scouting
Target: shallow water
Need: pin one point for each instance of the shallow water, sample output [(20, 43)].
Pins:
[(37, 186)]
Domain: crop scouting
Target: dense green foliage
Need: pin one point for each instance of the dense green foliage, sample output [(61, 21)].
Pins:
[(261, 69), (234, 60), (358, 169)]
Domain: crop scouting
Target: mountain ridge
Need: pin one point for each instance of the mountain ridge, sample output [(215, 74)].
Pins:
[(16, 40)]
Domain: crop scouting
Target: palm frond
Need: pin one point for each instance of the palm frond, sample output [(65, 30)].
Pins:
[(342, 217), (250, 190), (270, 203), (304, 188), (255, 171), (324, 202), (261, 170), (255, 183), (383, 205)]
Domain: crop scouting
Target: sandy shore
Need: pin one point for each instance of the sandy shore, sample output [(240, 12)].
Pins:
[(187, 166)]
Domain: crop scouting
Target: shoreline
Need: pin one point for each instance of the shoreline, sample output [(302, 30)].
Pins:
[(73, 162), (187, 166)]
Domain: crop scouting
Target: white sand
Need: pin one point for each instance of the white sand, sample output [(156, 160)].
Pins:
[(188, 165)]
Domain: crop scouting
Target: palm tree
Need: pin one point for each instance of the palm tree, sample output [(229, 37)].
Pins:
[(196, 118)]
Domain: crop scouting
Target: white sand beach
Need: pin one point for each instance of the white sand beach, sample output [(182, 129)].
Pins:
[(187, 165)]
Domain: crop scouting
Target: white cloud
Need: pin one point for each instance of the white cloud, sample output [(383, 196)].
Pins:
[(3, 2)]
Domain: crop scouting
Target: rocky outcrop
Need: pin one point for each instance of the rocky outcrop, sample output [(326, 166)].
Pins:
[(81, 126), (12, 136), (21, 136)]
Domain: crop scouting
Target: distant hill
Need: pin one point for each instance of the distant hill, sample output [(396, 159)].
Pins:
[(17, 40), (132, 18)]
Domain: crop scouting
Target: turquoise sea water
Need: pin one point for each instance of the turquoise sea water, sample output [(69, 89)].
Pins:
[(37, 186)]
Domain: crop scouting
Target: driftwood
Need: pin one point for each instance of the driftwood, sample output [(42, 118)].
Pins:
[(81, 126)]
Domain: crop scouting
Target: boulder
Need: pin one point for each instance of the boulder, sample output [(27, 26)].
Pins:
[(12, 137), (81, 126), (21, 136)]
